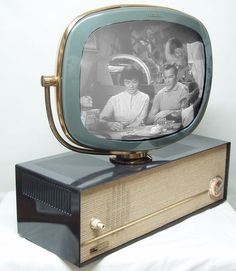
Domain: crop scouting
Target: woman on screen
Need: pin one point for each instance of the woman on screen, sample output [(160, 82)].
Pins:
[(128, 108)]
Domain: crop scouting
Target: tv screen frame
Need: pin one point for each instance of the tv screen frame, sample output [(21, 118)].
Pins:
[(69, 74)]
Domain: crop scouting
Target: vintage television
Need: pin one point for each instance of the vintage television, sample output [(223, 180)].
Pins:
[(132, 83)]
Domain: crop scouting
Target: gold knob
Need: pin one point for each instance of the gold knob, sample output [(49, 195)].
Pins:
[(48, 81), (96, 224), (216, 187)]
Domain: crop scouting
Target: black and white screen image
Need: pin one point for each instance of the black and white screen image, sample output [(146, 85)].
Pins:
[(141, 80)]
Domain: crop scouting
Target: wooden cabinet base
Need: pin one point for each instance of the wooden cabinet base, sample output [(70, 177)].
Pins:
[(82, 207)]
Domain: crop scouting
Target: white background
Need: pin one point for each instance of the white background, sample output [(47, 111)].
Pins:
[(30, 32)]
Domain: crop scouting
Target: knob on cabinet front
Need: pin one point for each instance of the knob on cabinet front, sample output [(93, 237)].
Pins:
[(96, 224), (216, 187)]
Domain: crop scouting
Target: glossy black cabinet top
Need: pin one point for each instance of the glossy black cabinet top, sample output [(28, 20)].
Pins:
[(83, 170)]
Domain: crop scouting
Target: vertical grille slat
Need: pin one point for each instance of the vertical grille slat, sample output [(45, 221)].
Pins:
[(47, 192)]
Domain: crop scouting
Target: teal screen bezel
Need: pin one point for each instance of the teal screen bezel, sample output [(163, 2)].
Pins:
[(71, 68)]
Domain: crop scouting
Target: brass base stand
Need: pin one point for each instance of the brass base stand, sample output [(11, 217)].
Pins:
[(136, 158)]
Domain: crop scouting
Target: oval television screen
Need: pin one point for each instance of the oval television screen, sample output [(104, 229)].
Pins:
[(141, 80)]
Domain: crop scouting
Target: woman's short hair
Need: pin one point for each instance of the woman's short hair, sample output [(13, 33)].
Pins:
[(130, 74)]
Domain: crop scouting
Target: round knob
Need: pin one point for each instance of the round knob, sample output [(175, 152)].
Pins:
[(96, 224), (216, 187)]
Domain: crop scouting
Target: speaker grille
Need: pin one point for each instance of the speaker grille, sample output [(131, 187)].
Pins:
[(47, 192)]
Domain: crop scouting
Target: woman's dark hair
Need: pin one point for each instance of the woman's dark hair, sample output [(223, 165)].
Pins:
[(130, 74), (173, 44)]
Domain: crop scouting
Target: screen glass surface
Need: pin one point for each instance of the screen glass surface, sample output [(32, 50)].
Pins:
[(141, 80)]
